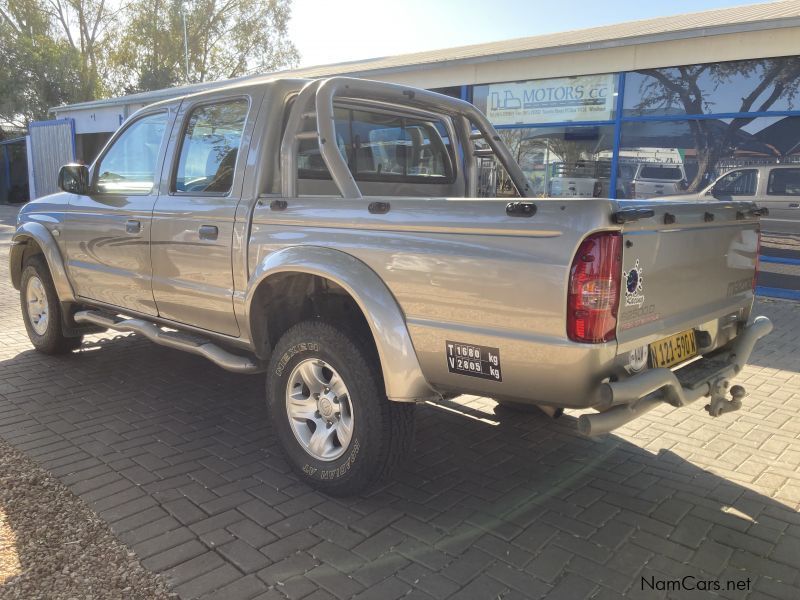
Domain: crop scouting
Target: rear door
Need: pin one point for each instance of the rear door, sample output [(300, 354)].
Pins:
[(193, 219)]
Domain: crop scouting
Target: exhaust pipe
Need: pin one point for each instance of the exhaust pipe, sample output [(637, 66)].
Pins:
[(551, 411), (604, 422)]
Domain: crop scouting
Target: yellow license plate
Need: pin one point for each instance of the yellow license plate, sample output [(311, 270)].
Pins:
[(673, 350)]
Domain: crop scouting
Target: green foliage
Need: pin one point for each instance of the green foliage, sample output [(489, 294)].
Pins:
[(225, 39), (64, 51), (37, 70)]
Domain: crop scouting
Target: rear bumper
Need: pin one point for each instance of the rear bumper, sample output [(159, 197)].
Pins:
[(622, 401)]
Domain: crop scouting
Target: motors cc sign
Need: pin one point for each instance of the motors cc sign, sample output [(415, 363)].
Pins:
[(584, 98)]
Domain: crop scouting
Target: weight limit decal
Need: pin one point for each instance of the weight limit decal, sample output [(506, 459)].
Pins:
[(477, 361)]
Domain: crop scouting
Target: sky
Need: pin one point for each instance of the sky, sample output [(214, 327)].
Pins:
[(332, 31)]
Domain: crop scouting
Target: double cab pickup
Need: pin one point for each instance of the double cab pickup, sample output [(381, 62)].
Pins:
[(329, 234)]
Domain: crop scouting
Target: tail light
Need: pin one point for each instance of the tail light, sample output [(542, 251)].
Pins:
[(594, 289), (757, 262)]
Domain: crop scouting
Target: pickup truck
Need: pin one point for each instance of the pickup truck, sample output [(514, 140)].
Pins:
[(328, 233), (653, 180)]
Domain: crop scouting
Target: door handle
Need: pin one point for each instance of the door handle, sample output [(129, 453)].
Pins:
[(133, 226), (208, 232), (794, 205)]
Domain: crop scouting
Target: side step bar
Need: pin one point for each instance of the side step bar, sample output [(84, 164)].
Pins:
[(172, 339)]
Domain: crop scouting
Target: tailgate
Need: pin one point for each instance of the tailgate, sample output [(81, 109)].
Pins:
[(689, 264)]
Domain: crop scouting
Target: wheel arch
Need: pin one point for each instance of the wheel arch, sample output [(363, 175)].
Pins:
[(34, 238), (377, 306)]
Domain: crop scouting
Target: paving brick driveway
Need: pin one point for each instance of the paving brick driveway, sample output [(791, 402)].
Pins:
[(178, 456)]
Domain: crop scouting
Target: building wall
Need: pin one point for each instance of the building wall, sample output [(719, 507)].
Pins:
[(713, 48)]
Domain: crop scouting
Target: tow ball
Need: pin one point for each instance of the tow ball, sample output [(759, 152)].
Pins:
[(720, 404)]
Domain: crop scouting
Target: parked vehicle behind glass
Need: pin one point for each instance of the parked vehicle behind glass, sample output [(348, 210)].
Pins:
[(654, 180), (774, 187)]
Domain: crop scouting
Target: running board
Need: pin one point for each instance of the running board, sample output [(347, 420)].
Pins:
[(172, 339)]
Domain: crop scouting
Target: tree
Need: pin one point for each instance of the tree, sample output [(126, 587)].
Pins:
[(89, 27), (772, 80), (56, 52), (226, 39), (48, 55)]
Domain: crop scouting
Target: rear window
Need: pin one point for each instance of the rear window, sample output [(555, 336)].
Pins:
[(209, 148), (784, 182), (384, 147), (667, 173)]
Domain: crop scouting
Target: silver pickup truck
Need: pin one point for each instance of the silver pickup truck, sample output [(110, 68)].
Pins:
[(328, 232)]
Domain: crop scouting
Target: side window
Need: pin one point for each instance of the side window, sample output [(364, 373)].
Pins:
[(737, 183), (384, 147), (209, 148), (129, 165), (784, 182)]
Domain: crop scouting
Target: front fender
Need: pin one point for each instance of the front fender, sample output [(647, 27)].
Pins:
[(42, 236), (401, 370)]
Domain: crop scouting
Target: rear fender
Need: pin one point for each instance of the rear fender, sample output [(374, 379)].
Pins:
[(401, 370)]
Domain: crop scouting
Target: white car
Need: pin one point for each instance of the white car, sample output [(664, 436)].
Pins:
[(774, 187)]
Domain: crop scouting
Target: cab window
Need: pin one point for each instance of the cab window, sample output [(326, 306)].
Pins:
[(379, 146), (129, 165), (784, 182), (209, 148), (737, 183)]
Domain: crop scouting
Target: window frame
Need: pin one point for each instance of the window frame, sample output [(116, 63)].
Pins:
[(95, 173), (739, 170), (181, 138), (451, 164), (769, 181)]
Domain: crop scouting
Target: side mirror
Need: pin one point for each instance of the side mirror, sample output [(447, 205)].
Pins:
[(74, 178)]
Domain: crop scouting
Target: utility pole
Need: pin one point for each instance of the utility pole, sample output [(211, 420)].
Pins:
[(185, 44)]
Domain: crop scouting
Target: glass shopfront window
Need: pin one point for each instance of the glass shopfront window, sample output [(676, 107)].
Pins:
[(564, 162), (727, 87), (666, 158), (680, 128)]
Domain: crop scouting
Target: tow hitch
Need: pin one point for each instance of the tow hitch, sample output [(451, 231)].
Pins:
[(719, 404)]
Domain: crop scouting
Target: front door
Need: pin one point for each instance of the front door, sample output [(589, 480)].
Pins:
[(193, 219), (108, 230)]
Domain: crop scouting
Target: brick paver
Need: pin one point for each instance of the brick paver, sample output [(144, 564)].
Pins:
[(179, 457)]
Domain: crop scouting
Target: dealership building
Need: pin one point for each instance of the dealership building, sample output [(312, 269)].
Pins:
[(668, 103)]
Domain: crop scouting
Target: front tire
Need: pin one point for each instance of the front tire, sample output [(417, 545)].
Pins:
[(326, 399), (41, 310)]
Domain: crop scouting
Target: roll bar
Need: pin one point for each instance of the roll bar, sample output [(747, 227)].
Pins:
[(315, 101)]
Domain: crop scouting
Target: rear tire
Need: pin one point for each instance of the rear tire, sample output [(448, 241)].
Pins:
[(326, 399), (41, 309)]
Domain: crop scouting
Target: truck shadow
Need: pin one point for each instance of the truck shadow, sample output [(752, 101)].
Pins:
[(497, 502)]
